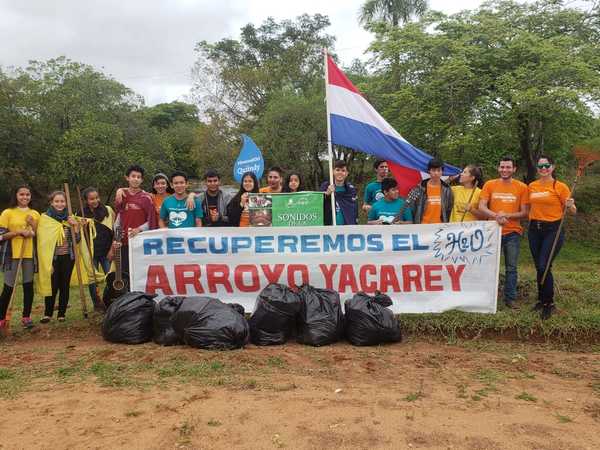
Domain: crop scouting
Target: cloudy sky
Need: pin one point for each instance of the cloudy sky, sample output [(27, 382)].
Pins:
[(148, 44)]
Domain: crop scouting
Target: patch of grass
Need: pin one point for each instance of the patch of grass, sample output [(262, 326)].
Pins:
[(249, 384), (489, 376), (6, 374), (462, 391), (111, 375), (595, 387), (565, 373), (563, 419), (526, 396), (213, 423), (12, 382), (414, 396), (185, 431), (133, 413), (276, 361)]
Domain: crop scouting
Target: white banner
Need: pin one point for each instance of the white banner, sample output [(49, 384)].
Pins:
[(423, 268)]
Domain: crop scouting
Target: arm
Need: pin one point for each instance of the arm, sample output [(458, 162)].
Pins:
[(198, 222), (162, 223)]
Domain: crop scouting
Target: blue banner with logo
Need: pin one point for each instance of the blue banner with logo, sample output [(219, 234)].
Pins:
[(250, 160)]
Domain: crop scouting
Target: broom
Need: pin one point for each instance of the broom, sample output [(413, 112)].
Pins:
[(585, 157), (12, 295)]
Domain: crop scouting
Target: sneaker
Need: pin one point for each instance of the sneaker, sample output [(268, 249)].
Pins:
[(27, 322), (537, 307), (511, 304), (45, 319), (61, 318), (547, 311)]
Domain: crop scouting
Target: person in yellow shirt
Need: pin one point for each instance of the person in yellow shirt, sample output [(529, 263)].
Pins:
[(548, 198), (18, 225), (506, 201), (466, 196)]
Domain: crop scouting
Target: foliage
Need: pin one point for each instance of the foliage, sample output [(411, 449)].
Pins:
[(395, 12)]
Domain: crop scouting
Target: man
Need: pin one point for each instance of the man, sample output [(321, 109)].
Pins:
[(433, 197), (274, 181), (506, 201), (386, 210), (174, 212), (346, 206), (135, 212), (214, 201), (373, 191)]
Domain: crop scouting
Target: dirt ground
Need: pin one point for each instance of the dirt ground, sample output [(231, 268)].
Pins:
[(61, 393)]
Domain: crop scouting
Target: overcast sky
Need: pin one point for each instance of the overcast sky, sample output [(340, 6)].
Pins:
[(149, 44)]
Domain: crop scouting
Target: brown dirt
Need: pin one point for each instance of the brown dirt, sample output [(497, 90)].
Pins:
[(410, 395)]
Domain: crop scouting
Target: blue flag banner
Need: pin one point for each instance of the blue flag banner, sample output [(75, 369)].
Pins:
[(250, 160)]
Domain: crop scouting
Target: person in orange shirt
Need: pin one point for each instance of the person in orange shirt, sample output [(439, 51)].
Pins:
[(506, 201), (548, 198), (161, 189), (237, 209), (434, 199), (274, 179)]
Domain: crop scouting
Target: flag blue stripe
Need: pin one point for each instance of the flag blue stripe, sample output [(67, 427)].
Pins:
[(369, 139)]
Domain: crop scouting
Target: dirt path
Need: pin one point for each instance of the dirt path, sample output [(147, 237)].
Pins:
[(410, 395)]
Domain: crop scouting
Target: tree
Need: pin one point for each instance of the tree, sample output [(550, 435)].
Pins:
[(520, 78), (395, 12)]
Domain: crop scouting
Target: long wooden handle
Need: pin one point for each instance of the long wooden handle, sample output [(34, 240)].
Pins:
[(76, 252), (8, 316)]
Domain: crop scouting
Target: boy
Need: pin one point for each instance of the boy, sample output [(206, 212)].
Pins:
[(274, 179), (346, 206), (174, 212), (506, 201), (386, 210), (214, 201), (373, 191), (434, 199)]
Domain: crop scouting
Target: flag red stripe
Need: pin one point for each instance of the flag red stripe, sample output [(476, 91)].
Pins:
[(406, 177), (337, 77)]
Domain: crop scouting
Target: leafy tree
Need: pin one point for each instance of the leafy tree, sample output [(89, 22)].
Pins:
[(395, 12), (520, 78)]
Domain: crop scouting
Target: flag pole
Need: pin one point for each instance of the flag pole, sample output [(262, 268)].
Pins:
[(329, 149)]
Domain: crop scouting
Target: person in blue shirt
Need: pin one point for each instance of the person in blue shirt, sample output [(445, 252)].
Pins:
[(373, 192), (174, 212), (346, 206), (387, 210)]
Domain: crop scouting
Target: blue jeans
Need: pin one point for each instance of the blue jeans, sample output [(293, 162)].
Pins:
[(510, 250), (541, 237), (104, 263)]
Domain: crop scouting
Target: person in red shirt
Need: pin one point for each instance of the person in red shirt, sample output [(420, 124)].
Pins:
[(135, 213), (506, 200), (548, 198)]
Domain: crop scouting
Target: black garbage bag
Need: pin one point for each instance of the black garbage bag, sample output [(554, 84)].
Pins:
[(206, 322), (128, 320), (164, 334), (237, 307), (320, 321), (369, 321), (274, 317)]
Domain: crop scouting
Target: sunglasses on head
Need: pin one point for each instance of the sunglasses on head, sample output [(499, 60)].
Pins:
[(544, 166)]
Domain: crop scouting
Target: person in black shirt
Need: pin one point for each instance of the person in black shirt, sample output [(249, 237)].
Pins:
[(214, 201)]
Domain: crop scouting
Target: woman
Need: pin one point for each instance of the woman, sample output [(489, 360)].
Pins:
[(55, 245), (161, 189), (103, 217), (293, 183), (237, 209), (466, 196), (548, 199), (18, 225)]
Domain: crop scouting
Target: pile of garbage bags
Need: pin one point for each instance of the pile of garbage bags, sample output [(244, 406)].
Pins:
[(310, 315)]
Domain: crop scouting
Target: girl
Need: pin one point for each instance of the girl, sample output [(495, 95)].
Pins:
[(56, 255), (18, 225), (293, 183), (103, 218), (237, 209), (548, 199), (161, 189), (466, 196)]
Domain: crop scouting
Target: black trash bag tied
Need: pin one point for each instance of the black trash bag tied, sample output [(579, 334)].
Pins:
[(164, 334), (321, 321), (128, 319), (369, 321)]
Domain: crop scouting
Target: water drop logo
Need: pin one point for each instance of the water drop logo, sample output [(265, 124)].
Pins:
[(250, 160)]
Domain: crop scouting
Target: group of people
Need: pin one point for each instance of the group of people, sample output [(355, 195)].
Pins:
[(45, 243)]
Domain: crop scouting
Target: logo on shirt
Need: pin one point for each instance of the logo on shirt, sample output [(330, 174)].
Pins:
[(434, 200), (177, 217), (379, 196), (504, 197), (539, 194)]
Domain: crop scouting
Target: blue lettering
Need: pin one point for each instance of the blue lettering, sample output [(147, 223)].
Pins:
[(192, 245), (264, 244), (400, 242), (212, 245), (290, 242), (240, 243), (175, 246), (374, 243), (154, 244), (309, 243), (354, 246), (416, 245), (331, 244)]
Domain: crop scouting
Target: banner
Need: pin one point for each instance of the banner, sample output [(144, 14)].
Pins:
[(423, 268), (301, 209), (250, 159)]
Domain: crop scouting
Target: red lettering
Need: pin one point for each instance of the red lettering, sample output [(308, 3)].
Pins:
[(291, 274), (239, 278), (157, 279), (430, 278), (347, 278), (367, 286), (328, 272), (272, 275), (388, 280), (218, 274), (411, 273), (455, 273), (182, 280)]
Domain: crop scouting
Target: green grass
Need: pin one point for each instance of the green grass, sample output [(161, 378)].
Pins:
[(526, 396)]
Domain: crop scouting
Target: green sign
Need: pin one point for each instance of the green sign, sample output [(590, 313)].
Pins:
[(297, 210), (286, 210)]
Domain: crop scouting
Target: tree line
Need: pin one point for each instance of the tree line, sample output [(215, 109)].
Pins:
[(505, 78)]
